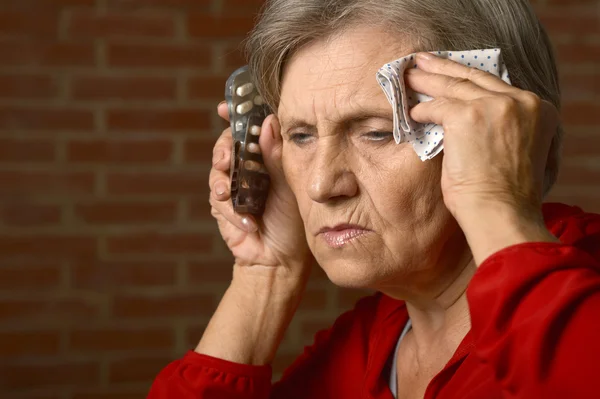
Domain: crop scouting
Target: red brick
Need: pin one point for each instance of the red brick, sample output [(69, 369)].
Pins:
[(569, 21), (28, 24), (47, 245), (199, 209), (13, 150), (176, 4), (314, 299), (309, 328), (123, 88), (109, 276), (578, 175), (46, 53), (159, 55), (234, 58), (169, 306), (282, 361), (37, 395), (207, 88), (581, 114), (588, 203), (242, 3), (119, 151), (20, 376), (89, 24), (347, 298), (199, 150), (120, 339), (581, 144), (579, 86), (154, 120), (27, 86), (571, 2), (45, 309), (157, 243), (23, 214), (115, 392), (24, 277), (193, 335), (183, 182), (29, 343), (43, 5), (46, 183), (36, 118), (318, 274), (137, 369), (210, 271), (126, 212), (580, 53), (207, 26)]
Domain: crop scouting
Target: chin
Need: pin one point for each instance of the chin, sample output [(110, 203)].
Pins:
[(350, 273), (358, 264)]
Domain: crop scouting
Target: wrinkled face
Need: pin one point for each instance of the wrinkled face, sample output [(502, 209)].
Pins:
[(373, 212)]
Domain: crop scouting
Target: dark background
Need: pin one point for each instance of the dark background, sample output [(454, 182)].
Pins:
[(110, 264)]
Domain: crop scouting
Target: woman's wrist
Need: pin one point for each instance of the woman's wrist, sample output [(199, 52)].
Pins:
[(252, 317), (492, 226)]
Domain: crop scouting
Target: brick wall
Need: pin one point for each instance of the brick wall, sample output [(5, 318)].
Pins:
[(110, 264)]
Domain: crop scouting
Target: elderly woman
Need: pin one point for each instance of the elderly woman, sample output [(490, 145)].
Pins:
[(482, 292)]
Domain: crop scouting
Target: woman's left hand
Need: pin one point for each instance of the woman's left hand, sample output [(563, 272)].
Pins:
[(496, 144)]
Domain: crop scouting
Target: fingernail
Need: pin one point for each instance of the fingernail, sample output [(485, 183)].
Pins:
[(425, 57), (249, 225), (221, 103), (218, 158), (220, 188)]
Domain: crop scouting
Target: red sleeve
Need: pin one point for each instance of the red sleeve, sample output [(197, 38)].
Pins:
[(199, 376), (535, 313)]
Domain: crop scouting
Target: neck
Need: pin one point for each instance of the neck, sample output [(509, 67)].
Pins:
[(443, 319)]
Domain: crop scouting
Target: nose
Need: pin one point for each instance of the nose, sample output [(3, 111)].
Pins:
[(331, 175)]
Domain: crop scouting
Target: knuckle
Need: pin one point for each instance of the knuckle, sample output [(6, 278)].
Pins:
[(531, 100), (473, 113), (475, 74), (506, 105), (455, 84)]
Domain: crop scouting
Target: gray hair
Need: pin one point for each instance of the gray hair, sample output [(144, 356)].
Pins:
[(284, 26)]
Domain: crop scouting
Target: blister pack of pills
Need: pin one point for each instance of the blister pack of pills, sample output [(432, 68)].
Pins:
[(247, 111)]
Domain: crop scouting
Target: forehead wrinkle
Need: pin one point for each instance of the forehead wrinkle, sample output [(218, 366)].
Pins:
[(354, 89)]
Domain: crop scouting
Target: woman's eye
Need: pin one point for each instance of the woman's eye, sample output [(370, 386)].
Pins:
[(378, 136), (300, 138)]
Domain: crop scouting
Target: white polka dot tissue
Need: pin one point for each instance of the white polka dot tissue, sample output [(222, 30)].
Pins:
[(427, 139)]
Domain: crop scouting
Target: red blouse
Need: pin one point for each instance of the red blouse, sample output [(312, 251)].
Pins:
[(535, 315)]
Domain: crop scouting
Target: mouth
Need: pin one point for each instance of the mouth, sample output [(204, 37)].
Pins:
[(342, 234)]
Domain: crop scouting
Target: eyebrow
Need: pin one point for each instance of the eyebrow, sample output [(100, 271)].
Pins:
[(351, 118)]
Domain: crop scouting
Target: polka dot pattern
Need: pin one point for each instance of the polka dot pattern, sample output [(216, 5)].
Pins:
[(402, 98)]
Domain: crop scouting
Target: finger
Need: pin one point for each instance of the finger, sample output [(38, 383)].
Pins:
[(431, 63), (437, 110), (222, 151), (223, 110), (225, 209), (219, 184), (436, 85)]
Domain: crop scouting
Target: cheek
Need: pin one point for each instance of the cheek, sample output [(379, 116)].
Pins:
[(406, 191)]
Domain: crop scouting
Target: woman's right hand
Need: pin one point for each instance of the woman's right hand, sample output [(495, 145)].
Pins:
[(274, 242)]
